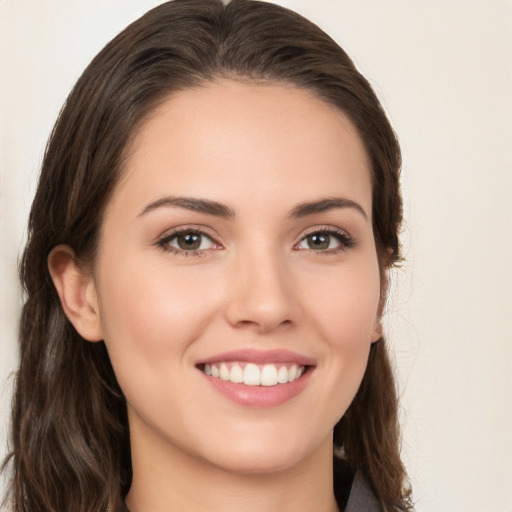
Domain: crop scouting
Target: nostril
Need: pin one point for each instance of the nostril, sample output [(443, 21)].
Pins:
[(266, 325)]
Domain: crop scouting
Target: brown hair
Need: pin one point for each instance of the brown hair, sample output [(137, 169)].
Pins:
[(70, 439)]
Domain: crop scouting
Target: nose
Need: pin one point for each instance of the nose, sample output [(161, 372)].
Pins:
[(262, 296)]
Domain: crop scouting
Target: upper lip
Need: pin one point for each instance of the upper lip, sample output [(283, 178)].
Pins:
[(260, 357)]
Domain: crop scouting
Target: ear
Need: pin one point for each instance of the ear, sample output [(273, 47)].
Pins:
[(377, 331), (384, 284), (77, 292)]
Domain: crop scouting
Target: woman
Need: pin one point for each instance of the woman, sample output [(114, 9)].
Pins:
[(205, 277)]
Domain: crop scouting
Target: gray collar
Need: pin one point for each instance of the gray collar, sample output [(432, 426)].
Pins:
[(361, 497)]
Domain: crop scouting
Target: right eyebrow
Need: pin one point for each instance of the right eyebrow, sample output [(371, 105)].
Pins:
[(194, 204)]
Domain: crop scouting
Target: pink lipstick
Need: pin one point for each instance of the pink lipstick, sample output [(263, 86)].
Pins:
[(258, 378)]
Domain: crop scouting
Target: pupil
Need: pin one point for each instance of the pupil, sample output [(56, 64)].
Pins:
[(318, 241), (190, 241)]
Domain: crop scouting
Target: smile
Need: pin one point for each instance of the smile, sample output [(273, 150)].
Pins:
[(258, 378), (251, 374)]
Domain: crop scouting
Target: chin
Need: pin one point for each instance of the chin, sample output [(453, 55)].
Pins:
[(267, 456), (260, 463)]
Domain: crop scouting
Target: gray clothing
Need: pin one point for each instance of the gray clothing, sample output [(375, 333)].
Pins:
[(361, 497)]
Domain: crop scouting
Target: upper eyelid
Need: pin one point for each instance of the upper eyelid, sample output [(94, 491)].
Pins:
[(323, 229), (197, 228), (163, 242), (346, 240)]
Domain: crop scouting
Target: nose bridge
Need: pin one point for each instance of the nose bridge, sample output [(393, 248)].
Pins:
[(263, 296)]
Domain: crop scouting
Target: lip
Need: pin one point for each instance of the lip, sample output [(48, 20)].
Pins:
[(259, 357), (259, 396)]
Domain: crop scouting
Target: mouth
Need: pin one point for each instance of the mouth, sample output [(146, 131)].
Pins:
[(253, 374), (257, 368), (257, 378)]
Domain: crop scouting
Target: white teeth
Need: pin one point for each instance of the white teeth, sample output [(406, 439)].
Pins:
[(253, 375), (269, 375), (237, 374), (282, 375), (223, 372)]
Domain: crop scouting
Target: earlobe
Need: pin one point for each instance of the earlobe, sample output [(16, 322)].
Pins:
[(377, 331), (77, 292)]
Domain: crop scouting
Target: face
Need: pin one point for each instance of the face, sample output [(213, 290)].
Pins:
[(237, 279)]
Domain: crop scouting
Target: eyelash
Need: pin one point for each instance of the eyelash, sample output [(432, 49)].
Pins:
[(346, 242), (164, 242)]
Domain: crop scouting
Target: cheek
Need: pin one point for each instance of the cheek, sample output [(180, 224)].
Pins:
[(346, 316), (345, 319), (347, 306), (150, 312)]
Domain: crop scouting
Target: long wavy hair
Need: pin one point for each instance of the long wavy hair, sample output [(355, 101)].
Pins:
[(70, 439)]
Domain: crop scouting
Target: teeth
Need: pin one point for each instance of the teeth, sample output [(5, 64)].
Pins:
[(223, 372), (251, 374), (269, 375), (282, 375), (237, 374)]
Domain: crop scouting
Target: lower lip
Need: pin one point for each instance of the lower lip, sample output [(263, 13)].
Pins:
[(259, 396)]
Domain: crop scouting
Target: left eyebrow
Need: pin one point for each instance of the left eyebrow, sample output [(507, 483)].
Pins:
[(323, 205)]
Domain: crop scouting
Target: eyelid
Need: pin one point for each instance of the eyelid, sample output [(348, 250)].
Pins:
[(346, 240), (172, 233)]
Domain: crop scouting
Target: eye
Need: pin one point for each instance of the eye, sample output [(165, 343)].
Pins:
[(188, 242), (325, 240)]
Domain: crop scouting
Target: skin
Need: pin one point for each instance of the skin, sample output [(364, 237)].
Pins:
[(257, 282)]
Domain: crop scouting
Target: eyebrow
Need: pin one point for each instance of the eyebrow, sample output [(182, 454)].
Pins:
[(323, 205), (209, 207), (191, 203)]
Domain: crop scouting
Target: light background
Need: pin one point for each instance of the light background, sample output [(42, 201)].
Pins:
[(443, 70)]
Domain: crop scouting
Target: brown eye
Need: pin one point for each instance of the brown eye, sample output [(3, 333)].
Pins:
[(318, 241), (325, 241), (189, 241)]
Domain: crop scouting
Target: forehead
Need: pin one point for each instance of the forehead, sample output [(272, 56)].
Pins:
[(227, 136)]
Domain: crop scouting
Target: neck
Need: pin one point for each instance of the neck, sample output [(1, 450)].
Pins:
[(167, 479)]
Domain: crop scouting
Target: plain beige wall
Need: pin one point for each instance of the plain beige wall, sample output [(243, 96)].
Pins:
[(443, 69)]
